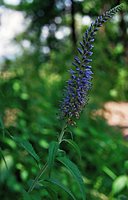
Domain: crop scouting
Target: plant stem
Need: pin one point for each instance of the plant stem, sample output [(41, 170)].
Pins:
[(42, 170), (62, 133)]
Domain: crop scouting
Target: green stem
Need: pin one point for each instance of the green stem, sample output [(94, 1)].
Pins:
[(42, 170), (62, 133)]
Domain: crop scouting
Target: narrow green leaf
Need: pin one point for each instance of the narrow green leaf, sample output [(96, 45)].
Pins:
[(52, 193), (74, 145), (75, 172), (2, 155), (27, 146), (50, 190), (37, 185), (36, 181), (57, 182), (119, 184), (53, 148)]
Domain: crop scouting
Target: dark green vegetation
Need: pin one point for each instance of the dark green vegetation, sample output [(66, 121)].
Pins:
[(31, 87)]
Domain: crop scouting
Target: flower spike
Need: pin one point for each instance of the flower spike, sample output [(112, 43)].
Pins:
[(76, 95)]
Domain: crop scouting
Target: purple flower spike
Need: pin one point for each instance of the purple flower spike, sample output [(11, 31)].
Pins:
[(76, 95)]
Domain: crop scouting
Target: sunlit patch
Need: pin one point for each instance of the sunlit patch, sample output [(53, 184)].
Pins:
[(58, 20), (24, 96), (3, 169), (62, 32), (26, 44), (46, 49), (116, 114), (12, 23), (5, 75), (16, 86), (44, 33), (30, 1), (116, 19), (54, 78), (67, 3), (50, 78), (44, 144), (52, 27), (10, 116), (12, 2), (86, 20)]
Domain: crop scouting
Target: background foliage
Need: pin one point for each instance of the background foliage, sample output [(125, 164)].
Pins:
[(31, 86)]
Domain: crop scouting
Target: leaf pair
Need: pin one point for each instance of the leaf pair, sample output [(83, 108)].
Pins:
[(53, 149), (72, 168)]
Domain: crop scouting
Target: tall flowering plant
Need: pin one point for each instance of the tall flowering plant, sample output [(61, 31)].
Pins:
[(74, 101)]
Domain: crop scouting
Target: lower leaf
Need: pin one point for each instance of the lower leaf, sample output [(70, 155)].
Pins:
[(75, 172), (60, 185)]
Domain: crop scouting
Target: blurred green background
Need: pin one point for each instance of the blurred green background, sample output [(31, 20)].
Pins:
[(38, 42)]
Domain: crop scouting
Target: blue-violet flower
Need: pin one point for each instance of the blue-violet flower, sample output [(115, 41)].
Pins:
[(76, 94)]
